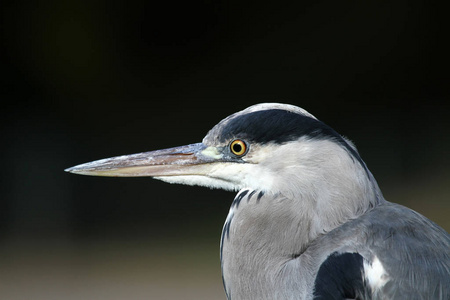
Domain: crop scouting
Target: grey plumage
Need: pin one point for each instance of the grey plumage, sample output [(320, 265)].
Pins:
[(309, 220)]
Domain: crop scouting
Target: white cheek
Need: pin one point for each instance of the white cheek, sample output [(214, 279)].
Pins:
[(260, 179), (244, 175)]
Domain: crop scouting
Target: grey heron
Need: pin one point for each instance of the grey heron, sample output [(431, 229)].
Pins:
[(309, 220)]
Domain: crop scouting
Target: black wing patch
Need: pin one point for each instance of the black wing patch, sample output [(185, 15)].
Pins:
[(341, 277)]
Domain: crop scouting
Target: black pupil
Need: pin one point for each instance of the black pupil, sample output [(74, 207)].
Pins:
[(237, 148)]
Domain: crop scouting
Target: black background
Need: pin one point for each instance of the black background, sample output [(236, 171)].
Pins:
[(84, 80)]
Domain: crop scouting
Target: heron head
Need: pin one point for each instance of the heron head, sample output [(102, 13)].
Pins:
[(269, 147)]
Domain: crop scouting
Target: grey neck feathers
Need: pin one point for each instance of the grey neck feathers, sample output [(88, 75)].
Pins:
[(265, 230)]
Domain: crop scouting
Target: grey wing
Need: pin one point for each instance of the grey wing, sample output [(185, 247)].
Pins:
[(390, 252), (414, 251)]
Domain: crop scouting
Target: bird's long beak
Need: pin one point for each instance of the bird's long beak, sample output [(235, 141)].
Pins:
[(179, 161)]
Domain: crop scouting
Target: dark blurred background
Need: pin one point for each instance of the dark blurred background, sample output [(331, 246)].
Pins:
[(84, 80)]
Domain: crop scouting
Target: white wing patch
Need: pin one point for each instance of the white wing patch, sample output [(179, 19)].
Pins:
[(375, 274)]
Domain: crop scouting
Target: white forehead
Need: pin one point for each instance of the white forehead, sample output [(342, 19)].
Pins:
[(268, 106)]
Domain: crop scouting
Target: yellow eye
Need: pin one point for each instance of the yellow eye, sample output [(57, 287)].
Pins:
[(238, 147)]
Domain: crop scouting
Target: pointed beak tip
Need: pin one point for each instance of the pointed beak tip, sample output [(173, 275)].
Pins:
[(74, 170), (81, 170)]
